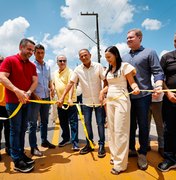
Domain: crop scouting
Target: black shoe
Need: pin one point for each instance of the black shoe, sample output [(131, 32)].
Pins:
[(27, 160), (63, 143), (36, 152), (7, 150), (86, 149), (101, 151), (22, 166), (166, 165), (48, 145)]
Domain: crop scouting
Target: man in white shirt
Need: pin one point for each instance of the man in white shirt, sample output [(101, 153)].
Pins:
[(89, 75)]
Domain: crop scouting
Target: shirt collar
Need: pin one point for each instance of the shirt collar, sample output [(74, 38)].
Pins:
[(39, 63), (19, 57), (140, 49), (60, 72), (91, 65)]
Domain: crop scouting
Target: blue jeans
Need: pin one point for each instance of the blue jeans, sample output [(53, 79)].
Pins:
[(18, 125), (67, 117), (139, 116), (169, 119), (100, 119), (35, 110)]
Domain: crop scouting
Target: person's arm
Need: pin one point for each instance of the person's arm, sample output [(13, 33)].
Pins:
[(158, 88), (51, 88), (67, 89), (105, 83), (170, 95), (102, 94), (21, 95), (70, 102), (132, 83)]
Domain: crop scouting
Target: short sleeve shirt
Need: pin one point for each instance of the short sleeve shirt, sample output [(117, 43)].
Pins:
[(61, 79), (119, 82), (21, 75), (90, 81), (44, 77)]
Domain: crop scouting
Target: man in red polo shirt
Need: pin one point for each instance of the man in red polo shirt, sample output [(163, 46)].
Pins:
[(19, 77)]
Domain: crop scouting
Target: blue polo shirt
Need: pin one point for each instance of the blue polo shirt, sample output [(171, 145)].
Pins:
[(146, 63), (44, 76)]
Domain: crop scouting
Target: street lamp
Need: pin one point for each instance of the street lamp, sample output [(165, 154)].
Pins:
[(83, 33), (97, 31), (98, 49)]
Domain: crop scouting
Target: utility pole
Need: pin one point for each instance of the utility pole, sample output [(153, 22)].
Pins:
[(97, 32)]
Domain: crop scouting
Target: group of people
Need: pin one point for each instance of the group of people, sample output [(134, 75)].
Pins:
[(132, 73)]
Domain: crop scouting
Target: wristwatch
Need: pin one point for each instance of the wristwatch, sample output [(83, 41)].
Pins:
[(28, 93)]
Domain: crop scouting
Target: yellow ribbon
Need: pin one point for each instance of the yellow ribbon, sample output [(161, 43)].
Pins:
[(84, 126), (79, 109), (54, 102), (14, 112), (3, 92)]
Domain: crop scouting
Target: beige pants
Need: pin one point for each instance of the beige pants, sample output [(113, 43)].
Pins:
[(118, 114)]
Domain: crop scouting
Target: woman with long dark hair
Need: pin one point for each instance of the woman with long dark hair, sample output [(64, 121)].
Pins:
[(118, 107)]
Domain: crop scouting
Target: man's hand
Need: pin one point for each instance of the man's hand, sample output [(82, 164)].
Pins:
[(157, 91), (171, 96), (21, 95), (60, 102), (136, 91), (70, 102)]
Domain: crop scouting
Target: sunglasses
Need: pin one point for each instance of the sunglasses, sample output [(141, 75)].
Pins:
[(61, 61)]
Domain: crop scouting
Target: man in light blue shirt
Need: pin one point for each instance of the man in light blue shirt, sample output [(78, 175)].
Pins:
[(42, 92)]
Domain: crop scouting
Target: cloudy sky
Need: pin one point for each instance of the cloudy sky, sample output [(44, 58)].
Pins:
[(47, 22)]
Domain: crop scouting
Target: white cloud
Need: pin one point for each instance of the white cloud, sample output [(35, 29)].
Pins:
[(11, 32), (113, 15), (123, 48), (69, 42), (151, 24)]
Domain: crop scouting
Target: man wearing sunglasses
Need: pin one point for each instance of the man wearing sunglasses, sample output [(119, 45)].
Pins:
[(66, 116)]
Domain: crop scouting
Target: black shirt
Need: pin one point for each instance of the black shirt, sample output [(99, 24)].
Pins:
[(168, 63)]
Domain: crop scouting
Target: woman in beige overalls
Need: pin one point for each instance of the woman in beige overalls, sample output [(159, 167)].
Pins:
[(118, 109)]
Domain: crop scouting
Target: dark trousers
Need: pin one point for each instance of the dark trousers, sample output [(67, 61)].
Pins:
[(139, 116), (66, 118), (6, 125), (169, 119)]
